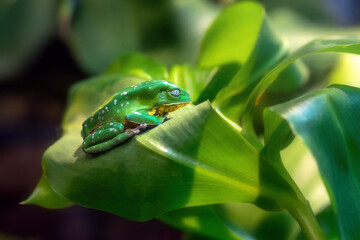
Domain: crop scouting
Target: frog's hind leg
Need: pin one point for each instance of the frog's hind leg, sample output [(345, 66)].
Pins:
[(108, 136), (96, 141)]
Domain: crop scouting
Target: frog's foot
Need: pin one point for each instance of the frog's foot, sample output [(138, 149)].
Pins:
[(141, 126), (138, 129)]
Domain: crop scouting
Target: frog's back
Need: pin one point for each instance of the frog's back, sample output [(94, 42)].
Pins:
[(102, 114)]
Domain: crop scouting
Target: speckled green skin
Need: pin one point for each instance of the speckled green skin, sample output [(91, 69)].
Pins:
[(133, 106)]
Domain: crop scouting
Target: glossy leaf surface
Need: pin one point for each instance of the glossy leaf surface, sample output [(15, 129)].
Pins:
[(327, 121), (242, 35)]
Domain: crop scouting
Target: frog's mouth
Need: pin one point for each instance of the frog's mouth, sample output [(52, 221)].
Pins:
[(167, 107)]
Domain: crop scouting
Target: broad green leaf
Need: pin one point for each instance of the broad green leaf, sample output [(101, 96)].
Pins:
[(327, 122), (242, 35), (330, 44), (140, 66), (44, 196), (171, 166), (25, 25), (156, 171), (248, 220), (221, 44)]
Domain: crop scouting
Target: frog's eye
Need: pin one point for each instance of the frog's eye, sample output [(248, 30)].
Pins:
[(175, 92)]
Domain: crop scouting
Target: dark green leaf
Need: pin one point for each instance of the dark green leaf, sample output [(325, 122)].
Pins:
[(327, 121), (242, 35), (220, 78)]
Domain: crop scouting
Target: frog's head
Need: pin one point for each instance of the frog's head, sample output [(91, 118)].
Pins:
[(171, 97)]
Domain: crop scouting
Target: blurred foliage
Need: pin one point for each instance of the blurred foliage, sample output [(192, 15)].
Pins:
[(99, 32), (25, 26), (315, 11)]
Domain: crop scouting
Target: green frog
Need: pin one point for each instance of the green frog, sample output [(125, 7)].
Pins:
[(130, 111)]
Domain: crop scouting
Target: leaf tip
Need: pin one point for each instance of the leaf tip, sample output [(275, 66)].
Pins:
[(45, 197)]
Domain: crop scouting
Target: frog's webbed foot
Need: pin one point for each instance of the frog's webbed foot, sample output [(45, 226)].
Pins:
[(136, 130)]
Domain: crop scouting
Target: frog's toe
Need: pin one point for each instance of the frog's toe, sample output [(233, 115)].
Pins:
[(134, 132), (142, 126)]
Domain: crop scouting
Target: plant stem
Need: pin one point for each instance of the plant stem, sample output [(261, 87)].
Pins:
[(305, 217)]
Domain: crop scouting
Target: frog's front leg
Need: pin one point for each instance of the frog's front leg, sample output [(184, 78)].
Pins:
[(107, 136), (143, 117)]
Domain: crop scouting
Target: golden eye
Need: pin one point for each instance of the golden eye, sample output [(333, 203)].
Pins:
[(175, 92)]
